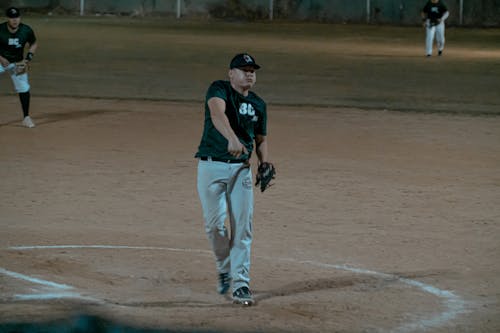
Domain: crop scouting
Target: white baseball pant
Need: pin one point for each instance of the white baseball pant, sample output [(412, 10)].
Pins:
[(226, 190), (437, 32), (21, 83)]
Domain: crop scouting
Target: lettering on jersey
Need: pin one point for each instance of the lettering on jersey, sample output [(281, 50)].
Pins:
[(247, 109), (14, 42), (435, 9)]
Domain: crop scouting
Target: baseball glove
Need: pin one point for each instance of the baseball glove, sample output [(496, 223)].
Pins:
[(265, 173), (21, 67)]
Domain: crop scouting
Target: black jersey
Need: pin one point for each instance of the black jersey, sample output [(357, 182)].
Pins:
[(435, 11), (12, 44), (247, 116)]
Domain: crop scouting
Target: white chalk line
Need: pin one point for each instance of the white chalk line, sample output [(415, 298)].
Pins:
[(52, 290), (53, 295), (45, 247), (34, 280), (454, 304), (57, 290)]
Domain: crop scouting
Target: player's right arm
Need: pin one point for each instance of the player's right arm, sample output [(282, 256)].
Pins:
[(217, 107), (424, 17), (4, 62)]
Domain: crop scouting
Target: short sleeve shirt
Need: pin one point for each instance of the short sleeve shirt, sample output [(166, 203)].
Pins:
[(247, 116), (435, 11), (12, 44)]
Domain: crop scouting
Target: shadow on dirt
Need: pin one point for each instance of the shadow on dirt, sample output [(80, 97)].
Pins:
[(83, 324), (94, 324)]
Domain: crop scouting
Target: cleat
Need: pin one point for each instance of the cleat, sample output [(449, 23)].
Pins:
[(440, 52), (28, 122), (224, 283), (243, 296)]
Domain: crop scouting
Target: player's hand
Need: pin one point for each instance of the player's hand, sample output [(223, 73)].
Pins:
[(236, 148), (4, 62)]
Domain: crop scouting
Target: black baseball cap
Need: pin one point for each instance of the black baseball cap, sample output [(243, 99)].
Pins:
[(12, 12), (242, 60)]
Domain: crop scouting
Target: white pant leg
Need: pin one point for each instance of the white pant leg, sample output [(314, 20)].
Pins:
[(212, 184), (21, 82), (440, 36), (227, 190), (429, 38), (241, 218)]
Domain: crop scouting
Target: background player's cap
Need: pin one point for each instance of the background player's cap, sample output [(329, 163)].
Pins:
[(242, 60), (12, 12)]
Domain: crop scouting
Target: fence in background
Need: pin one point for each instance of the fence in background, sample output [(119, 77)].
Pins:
[(401, 12)]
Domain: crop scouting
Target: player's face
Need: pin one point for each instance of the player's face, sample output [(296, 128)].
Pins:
[(243, 77), (13, 23)]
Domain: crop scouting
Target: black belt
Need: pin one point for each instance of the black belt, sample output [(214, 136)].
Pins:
[(215, 159)]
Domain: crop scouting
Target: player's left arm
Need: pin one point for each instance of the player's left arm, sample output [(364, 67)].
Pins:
[(23, 66), (266, 171), (31, 50), (445, 16), (261, 147)]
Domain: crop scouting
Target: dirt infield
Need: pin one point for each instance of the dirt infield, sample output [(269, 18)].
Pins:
[(408, 203), (379, 220)]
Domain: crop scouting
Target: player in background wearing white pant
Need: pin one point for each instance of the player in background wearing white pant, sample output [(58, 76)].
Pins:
[(434, 15), (14, 37), (235, 119)]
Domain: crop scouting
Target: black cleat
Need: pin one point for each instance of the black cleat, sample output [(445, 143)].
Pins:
[(243, 296), (440, 53), (224, 283)]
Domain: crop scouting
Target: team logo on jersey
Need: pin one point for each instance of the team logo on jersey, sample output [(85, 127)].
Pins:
[(246, 109), (14, 42), (435, 9)]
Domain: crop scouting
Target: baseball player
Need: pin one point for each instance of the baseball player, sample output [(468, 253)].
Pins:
[(14, 37), (434, 14), (235, 118)]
